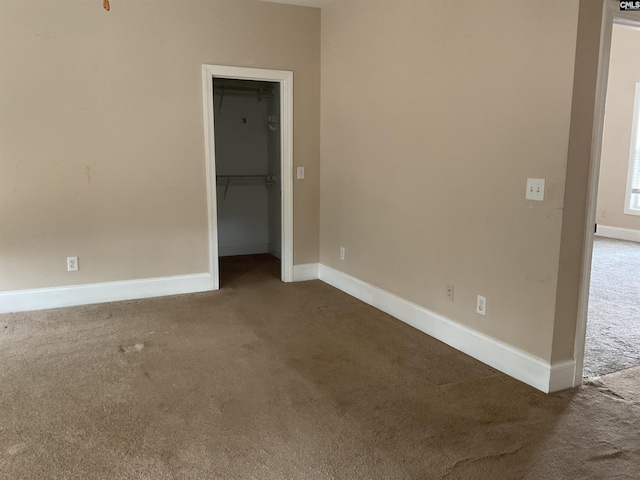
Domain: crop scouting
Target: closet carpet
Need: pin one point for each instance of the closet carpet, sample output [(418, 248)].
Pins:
[(266, 380)]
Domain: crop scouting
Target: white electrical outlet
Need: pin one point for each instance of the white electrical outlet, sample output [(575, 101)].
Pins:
[(535, 189), (450, 291), (481, 306), (72, 264), (341, 253), (300, 173)]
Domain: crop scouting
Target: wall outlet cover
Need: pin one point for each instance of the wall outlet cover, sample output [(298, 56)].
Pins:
[(450, 291), (72, 264), (481, 305)]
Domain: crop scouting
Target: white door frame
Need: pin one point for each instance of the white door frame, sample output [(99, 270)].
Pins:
[(611, 15), (285, 79)]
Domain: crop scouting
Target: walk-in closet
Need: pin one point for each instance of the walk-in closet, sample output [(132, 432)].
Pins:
[(247, 163)]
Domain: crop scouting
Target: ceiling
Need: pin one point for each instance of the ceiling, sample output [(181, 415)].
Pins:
[(304, 3)]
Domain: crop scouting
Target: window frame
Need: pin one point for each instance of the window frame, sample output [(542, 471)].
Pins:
[(632, 199)]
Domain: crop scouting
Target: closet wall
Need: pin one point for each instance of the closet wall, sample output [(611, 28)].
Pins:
[(247, 138)]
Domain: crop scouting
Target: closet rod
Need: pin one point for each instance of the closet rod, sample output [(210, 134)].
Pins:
[(248, 180), (248, 91), (245, 90), (244, 176)]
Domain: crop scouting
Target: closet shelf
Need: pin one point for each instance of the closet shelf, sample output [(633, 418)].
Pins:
[(237, 180), (232, 88)]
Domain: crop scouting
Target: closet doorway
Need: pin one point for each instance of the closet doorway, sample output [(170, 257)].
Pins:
[(248, 134)]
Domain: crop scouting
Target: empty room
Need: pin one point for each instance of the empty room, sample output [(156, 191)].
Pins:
[(314, 239)]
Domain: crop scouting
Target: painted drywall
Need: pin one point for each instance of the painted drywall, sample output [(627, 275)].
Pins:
[(578, 176), (432, 119), (243, 143), (624, 73), (101, 131)]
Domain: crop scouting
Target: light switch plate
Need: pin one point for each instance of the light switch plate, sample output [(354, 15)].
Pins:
[(300, 173), (535, 189)]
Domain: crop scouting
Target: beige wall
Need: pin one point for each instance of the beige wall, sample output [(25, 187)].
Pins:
[(579, 160), (624, 72), (101, 131), (433, 117)]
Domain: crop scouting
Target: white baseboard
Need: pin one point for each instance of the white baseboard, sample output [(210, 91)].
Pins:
[(618, 233), (69, 296), (510, 360), (304, 272), (251, 249), (562, 376)]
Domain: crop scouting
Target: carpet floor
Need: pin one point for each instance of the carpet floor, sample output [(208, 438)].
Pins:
[(266, 380), (613, 323)]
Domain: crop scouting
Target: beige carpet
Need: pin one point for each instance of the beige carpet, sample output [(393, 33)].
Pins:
[(265, 380)]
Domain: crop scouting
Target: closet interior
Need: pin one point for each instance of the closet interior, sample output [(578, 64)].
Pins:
[(247, 163)]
